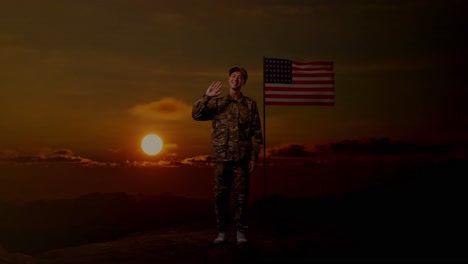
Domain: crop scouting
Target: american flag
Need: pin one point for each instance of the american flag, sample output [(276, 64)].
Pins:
[(289, 82)]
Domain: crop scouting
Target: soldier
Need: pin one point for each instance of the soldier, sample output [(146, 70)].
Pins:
[(236, 141)]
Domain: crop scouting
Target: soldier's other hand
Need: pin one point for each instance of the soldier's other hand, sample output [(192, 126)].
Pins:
[(252, 166), (214, 89)]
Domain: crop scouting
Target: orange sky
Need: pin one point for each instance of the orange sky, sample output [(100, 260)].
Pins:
[(89, 79)]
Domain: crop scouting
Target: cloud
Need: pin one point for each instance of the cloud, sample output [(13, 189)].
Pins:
[(50, 156), (34, 158), (6, 154), (197, 161), (60, 156), (148, 164), (289, 150), (201, 160), (167, 108)]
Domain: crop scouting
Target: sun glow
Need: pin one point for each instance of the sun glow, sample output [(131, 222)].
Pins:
[(151, 144)]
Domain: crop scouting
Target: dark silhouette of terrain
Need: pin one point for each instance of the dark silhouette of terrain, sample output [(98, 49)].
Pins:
[(39, 226), (418, 218)]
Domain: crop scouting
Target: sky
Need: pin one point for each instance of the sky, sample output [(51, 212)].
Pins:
[(85, 80)]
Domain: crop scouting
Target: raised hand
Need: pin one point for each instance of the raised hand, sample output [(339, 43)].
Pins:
[(214, 89)]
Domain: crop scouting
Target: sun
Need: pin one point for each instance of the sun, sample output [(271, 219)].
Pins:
[(151, 144)]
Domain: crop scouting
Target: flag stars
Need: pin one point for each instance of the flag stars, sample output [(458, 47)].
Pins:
[(278, 71)]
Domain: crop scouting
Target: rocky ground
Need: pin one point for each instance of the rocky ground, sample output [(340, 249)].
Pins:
[(418, 220)]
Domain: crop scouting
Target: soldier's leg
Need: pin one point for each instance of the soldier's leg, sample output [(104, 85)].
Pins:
[(222, 191), (241, 186)]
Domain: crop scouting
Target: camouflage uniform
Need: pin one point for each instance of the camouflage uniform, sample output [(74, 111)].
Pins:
[(236, 140)]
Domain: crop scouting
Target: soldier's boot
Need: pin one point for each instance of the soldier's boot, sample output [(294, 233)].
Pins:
[(221, 238), (241, 237)]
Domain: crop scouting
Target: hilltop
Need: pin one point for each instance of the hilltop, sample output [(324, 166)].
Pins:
[(417, 219)]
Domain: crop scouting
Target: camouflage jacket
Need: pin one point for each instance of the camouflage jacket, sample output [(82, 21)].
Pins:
[(237, 132)]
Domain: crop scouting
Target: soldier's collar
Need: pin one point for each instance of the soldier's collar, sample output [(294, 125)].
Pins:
[(241, 96)]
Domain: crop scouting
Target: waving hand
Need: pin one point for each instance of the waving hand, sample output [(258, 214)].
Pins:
[(214, 89)]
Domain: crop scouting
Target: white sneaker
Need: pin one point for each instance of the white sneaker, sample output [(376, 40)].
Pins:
[(221, 238), (241, 237)]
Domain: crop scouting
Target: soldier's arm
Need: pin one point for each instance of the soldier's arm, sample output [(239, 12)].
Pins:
[(257, 136), (203, 108)]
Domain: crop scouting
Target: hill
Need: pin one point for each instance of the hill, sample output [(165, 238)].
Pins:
[(421, 218)]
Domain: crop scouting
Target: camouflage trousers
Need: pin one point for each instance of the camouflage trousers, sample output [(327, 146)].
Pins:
[(231, 176)]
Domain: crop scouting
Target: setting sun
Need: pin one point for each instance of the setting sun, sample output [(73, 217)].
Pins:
[(152, 144)]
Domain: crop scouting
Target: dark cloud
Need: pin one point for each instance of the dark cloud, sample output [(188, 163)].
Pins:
[(290, 150), (372, 146), (54, 159), (384, 146), (27, 159), (148, 164), (63, 152), (53, 156)]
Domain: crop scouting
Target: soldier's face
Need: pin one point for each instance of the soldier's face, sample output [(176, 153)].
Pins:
[(236, 80)]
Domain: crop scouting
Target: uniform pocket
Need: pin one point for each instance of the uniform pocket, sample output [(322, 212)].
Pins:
[(219, 133)]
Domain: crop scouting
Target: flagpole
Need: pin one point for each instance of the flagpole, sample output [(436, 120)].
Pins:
[(264, 132)]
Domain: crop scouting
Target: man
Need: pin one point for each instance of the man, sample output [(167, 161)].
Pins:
[(236, 141)]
